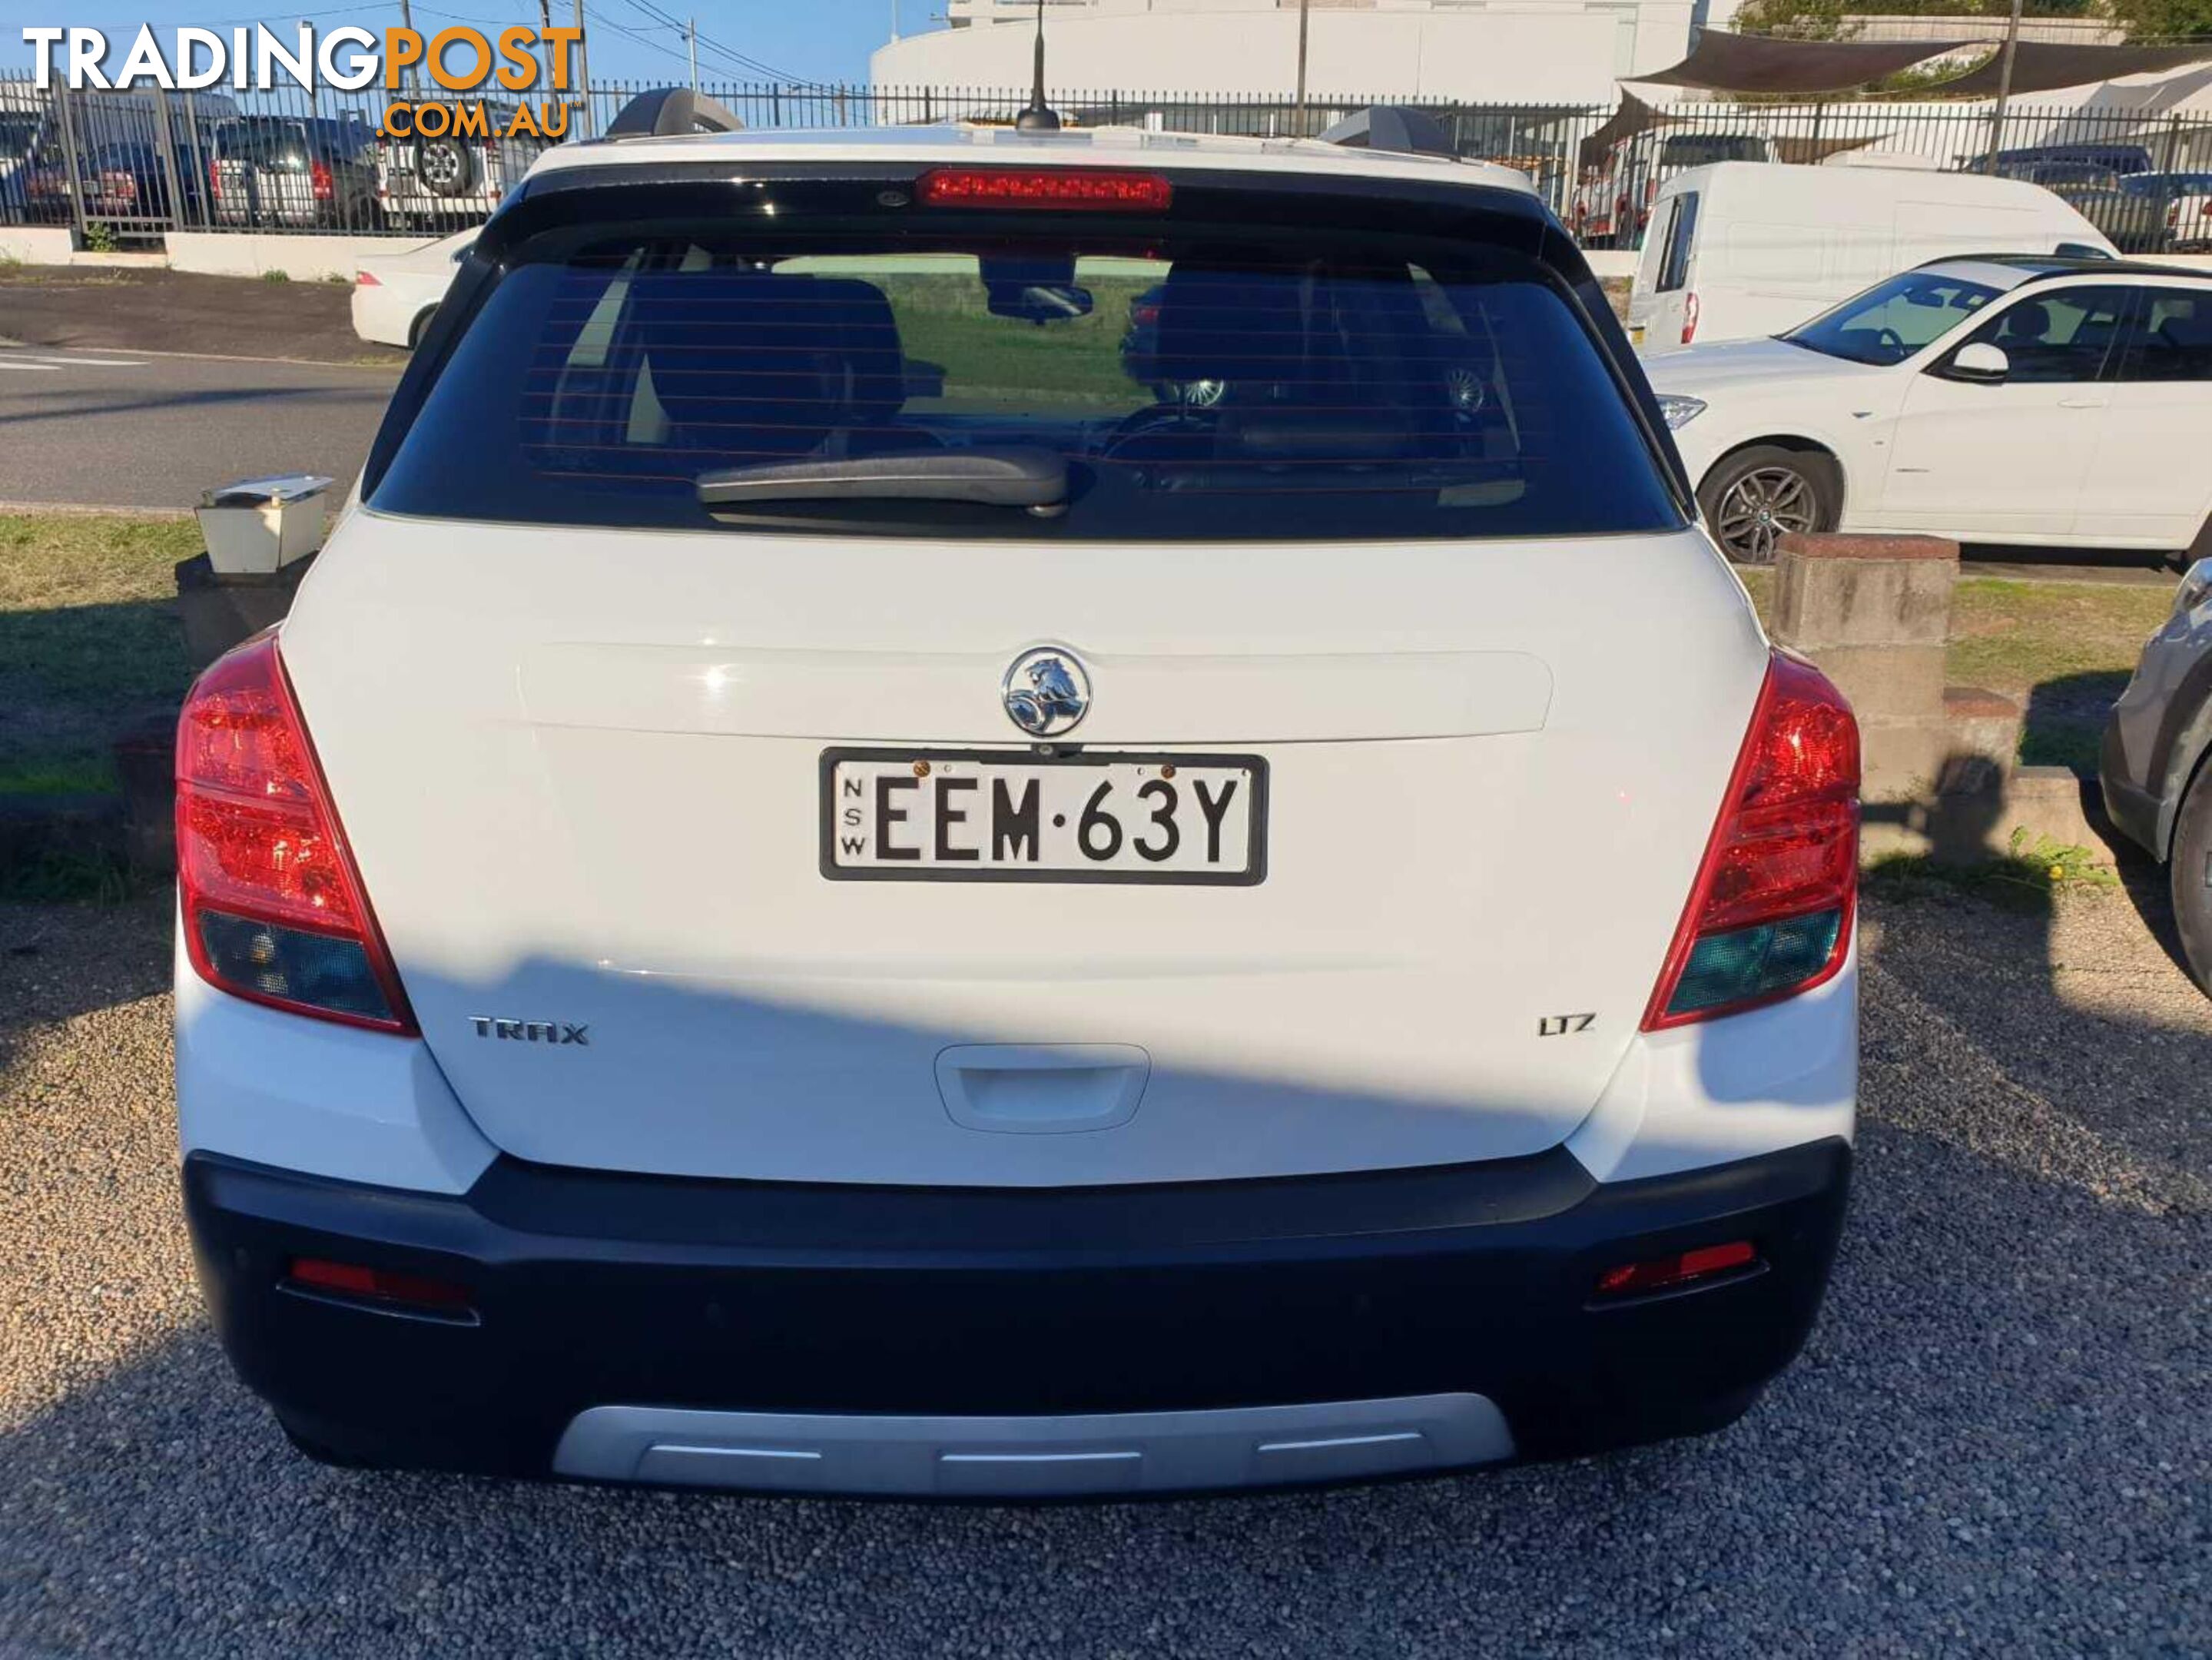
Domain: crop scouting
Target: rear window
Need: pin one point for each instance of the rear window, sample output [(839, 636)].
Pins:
[(1185, 386), (1681, 235)]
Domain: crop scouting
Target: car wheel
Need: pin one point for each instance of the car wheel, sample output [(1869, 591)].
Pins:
[(2191, 873), (1757, 495), (444, 165)]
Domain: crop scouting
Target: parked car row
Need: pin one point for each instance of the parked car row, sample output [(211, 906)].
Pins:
[(282, 172)]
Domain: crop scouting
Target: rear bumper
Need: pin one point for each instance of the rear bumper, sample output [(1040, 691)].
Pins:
[(754, 1334)]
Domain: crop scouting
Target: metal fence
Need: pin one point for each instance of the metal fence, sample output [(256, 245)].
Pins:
[(123, 166)]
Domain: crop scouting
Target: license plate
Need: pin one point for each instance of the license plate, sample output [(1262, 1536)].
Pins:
[(987, 816)]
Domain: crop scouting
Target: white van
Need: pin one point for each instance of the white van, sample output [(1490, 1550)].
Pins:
[(1740, 250)]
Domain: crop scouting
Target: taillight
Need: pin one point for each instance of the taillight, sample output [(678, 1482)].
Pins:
[(273, 909), (1689, 317), (319, 180), (363, 279), (1770, 913), (214, 178), (1145, 315), (1030, 188)]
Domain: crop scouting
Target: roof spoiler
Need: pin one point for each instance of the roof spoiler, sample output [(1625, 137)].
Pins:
[(670, 111), (1391, 127)]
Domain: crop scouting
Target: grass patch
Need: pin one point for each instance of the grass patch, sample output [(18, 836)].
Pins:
[(59, 876), (89, 641), (941, 320), (2029, 878)]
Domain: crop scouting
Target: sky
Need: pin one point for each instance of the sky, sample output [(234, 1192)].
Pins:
[(629, 39)]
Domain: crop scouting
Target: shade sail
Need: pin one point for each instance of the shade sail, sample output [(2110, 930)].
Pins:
[(2045, 66), (1634, 116), (1722, 61)]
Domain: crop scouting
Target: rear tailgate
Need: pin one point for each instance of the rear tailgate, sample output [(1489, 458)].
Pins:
[(577, 811)]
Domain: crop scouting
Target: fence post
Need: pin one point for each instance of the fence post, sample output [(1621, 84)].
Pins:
[(165, 139), (68, 155), (202, 164)]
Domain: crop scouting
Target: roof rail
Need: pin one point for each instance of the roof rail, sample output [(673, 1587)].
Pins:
[(668, 111), (1391, 127)]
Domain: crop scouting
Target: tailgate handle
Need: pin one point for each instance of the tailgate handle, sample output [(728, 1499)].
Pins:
[(1042, 1089)]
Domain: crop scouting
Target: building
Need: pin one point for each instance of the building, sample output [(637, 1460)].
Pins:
[(1491, 52)]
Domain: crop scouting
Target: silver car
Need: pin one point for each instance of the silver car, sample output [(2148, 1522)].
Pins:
[(2157, 781)]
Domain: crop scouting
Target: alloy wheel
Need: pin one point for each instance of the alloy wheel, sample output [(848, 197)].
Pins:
[(1760, 509)]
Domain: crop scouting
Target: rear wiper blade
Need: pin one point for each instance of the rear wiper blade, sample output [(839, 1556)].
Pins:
[(1016, 476)]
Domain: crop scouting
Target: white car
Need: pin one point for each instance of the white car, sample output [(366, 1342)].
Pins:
[(2035, 399), (396, 295), (780, 916)]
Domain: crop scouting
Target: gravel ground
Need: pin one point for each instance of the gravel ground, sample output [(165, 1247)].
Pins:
[(1997, 1442)]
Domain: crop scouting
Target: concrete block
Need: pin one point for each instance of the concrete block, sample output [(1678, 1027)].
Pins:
[(303, 258), (1973, 825), (35, 245), (2053, 802), (1887, 683), (1900, 760), (1863, 591)]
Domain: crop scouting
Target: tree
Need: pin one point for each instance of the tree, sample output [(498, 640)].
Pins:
[(2162, 20)]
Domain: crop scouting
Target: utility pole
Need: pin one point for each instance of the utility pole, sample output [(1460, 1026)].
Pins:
[(545, 45), (1305, 10), (2005, 89), (691, 34), (894, 22), (407, 22)]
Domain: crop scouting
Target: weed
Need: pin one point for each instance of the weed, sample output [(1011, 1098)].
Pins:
[(275, 277), (2027, 876), (99, 238)]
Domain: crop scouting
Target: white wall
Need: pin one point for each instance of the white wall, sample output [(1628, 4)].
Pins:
[(1548, 56), (302, 258), (35, 245)]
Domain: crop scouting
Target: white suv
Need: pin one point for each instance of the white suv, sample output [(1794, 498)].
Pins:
[(824, 891), (2023, 398)]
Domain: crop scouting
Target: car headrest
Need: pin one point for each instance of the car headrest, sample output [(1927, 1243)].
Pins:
[(1235, 326), (2030, 321), (815, 352)]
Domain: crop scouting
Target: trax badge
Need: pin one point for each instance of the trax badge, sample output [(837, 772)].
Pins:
[(531, 1031), (1047, 691)]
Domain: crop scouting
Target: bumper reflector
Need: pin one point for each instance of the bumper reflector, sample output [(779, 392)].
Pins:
[(352, 1279), (1664, 1272)]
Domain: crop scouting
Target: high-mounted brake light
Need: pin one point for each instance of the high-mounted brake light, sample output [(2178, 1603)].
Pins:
[(273, 909), (1043, 187), (1770, 913)]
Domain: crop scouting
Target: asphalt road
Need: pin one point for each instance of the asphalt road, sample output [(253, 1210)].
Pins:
[(115, 428), (1997, 1443)]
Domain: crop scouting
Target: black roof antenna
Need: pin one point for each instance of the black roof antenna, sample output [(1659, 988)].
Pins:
[(1038, 117)]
